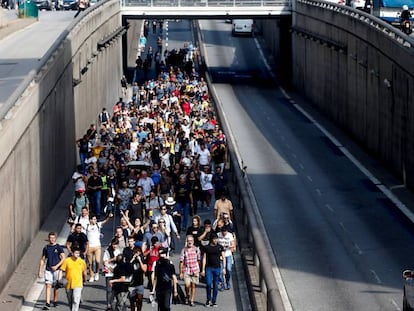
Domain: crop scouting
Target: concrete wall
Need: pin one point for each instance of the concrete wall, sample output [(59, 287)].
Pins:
[(340, 60), (37, 138)]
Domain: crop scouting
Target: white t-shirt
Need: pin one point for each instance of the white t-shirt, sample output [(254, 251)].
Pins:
[(204, 155), (93, 232), (79, 184), (206, 181), (225, 241)]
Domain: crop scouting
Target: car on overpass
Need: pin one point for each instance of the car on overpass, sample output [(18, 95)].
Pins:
[(44, 4), (69, 5)]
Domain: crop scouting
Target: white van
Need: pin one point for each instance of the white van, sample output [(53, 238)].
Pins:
[(242, 27)]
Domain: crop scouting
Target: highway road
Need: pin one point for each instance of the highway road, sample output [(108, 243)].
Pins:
[(339, 242), (16, 62)]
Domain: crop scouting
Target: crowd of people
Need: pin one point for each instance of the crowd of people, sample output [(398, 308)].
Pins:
[(154, 161)]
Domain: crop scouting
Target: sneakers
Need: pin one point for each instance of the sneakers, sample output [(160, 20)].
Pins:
[(220, 286), (214, 305), (96, 276), (228, 286), (46, 307), (55, 304), (208, 304), (92, 279)]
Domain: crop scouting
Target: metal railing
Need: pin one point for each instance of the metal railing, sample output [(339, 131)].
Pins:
[(205, 3), (364, 17)]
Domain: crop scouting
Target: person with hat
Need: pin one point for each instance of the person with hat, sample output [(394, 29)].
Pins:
[(212, 267), (164, 281)]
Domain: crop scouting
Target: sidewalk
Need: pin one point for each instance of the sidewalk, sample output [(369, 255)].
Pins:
[(10, 23)]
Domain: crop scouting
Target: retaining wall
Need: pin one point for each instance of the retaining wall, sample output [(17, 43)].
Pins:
[(359, 71), (37, 136)]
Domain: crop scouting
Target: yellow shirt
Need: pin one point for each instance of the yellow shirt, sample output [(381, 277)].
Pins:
[(74, 271)]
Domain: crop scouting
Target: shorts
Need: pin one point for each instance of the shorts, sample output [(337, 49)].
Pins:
[(191, 278), (133, 291), (51, 277)]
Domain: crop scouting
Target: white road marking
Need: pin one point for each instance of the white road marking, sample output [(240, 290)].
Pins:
[(329, 208), (387, 192), (301, 166), (318, 191), (376, 276), (309, 178), (397, 307), (294, 155)]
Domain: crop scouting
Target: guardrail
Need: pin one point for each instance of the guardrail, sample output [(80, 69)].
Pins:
[(367, 18), (205, 3)]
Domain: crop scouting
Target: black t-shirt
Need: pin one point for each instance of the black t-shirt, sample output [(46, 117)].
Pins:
[(79, 239), (95, 181), (182, 192), (212, 253), (164, 270), (128, 254), (195, 232), (138, 274), (121, 269)]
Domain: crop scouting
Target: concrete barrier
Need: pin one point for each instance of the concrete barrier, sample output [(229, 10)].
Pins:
[(38, 133)]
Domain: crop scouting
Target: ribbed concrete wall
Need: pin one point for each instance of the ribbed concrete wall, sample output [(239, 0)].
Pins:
[(37, 139), (340, 62)]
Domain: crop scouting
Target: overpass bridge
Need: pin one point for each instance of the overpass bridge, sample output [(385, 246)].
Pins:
[(201, 9)]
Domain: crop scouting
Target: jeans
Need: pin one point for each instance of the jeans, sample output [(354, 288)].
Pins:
[(82, 158), (96, 202), (74, 297), (184, 210), (229, 264), (212, 279)]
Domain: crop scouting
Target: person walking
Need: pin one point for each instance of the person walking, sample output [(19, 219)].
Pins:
[(52, 257), (75, 269), (136, 288), (165, 280), (82, 6), (212, 254), (190, 268)]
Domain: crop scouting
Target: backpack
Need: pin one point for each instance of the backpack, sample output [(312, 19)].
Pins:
[(103, 117)]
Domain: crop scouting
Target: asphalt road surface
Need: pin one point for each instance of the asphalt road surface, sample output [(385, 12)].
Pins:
[(339, 242)]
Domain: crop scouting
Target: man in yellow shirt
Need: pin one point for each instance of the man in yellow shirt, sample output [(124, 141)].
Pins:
[(75, 268)]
